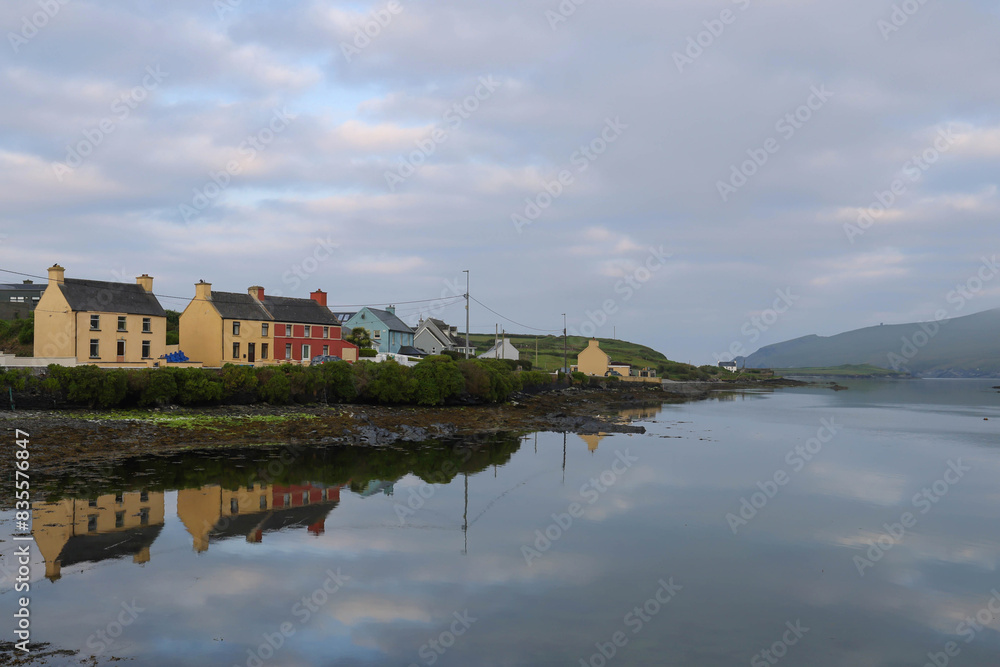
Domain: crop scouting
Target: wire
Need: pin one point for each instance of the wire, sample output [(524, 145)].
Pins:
[(510, 320), (334, 307)]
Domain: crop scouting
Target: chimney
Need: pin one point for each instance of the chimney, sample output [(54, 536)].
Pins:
[(390, 309), (146, 282), (257, 292), (57, 274), (203, 290), (29, 282), (319, 296)]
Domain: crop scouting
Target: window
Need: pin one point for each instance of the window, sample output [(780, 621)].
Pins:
[(144, 497), (119, 498), (146, 348), (263, 350), (236, 328), (286, 500), (305, 497), (95, 322), (144, 516), (288, 351), (307, 331), (95, 348), (234, 506), (263, 330), (326, 332), (121, 323), (305, 352), (377, 334), (326, 350), (263, 502), (119, 519), (147, 325), (92, 502), (236, 350), (92, 523)]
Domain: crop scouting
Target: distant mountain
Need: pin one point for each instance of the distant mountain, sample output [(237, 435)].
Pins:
[(966, 346)]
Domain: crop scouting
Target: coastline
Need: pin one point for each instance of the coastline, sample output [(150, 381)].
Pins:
[(64, 438)]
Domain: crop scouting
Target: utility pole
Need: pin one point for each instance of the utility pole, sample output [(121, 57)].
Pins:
[(565, 366), (503, 347), (466, 272)]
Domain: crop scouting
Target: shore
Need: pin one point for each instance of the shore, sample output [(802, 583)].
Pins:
[(66, 438)]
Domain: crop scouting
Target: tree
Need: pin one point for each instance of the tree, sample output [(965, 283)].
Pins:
[(360, 337)]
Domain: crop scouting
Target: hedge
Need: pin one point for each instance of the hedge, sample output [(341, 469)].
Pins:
[(436, 380)]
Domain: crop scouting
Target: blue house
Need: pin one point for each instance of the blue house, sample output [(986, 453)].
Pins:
[(388, 332)]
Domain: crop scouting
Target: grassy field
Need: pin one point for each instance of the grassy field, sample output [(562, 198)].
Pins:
[(866, 370), (550, 354)]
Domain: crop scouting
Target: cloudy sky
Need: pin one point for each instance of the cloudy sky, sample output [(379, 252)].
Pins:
[(671, 169)]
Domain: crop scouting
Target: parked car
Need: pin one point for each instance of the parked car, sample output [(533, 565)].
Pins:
[(323, 358)]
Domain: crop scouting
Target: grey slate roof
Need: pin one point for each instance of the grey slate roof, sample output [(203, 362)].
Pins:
[(306, 311), (410, 351), (391, 321), (236, 306), (98, 295)]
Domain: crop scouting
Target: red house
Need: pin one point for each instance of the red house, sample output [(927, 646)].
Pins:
[(304, 329), (296, 495)]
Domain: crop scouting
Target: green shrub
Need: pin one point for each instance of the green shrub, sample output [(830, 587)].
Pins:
[(579, 377), (305, 382), (367, 352), (273, 386), (161, 387), (391, 383), (437, 380), (338, 380), (196, 386), (15, 378), (236, 379), (489, 380), (95, 387), (534, 379)]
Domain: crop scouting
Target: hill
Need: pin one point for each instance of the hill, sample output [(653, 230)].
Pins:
[(965, 346), (550, 354)]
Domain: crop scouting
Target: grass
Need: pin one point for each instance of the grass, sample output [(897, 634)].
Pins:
[(194, 421), (842, 371)]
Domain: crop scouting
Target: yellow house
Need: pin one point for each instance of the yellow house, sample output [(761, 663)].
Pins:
[(100, 323), (593, 360), (77, 530)]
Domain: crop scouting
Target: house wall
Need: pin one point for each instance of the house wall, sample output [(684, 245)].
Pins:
[(55, 326), (388, 341), (201, 332), (294, 334), (428, 342), (593, 360), (108, 336), (201, 509), (250, 333)]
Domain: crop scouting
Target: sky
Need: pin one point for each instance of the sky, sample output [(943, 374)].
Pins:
[(702, 177)]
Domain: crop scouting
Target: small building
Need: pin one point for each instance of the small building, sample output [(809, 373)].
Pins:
[(306, 328), (17, 300), (728, 365), (388, 332), (434, 337), (619, 368), (502, 350), (101, 323)]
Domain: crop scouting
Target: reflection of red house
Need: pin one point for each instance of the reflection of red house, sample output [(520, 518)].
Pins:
[(299, 495), (301, 334)]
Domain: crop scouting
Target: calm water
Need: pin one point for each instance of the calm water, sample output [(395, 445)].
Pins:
[(346, 557)]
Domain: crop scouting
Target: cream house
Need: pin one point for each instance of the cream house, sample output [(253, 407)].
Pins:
[(101, 323), (593, 360)]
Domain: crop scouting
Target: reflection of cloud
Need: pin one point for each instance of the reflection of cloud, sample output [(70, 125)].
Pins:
[(855, 484), (358, 608)]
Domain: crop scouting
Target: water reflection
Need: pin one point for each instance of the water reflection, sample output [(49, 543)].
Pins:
[(109, 526)]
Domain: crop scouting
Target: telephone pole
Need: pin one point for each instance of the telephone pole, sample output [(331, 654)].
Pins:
[(565, 366), (466, 272)]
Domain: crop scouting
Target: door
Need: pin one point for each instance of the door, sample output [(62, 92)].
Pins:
[(121, 350), (251, 352)]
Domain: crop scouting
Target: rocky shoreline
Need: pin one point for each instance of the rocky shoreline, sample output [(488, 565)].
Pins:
[(66, 438)]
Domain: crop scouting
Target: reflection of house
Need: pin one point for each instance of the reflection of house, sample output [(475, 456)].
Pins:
[(98, 322), (378, 486), (212, 512), (388, 332), (434, 337), (75, 531), (502, 350), (592, 440)]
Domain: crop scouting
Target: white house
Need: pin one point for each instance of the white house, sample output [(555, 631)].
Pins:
[(728, 365), (503, 350)]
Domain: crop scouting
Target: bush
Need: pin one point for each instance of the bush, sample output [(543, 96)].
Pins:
[(437, 379), (236, 379), (534, 379), (15, 378), (195, 386), (338, 380), (95, 387), (161, 387), (391, 383), (579, 376), (489, 380), (273, 386), (366, 352), (304, 382)]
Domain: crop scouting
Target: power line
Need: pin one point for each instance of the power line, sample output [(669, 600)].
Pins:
[(215, 300), (510, 320)]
